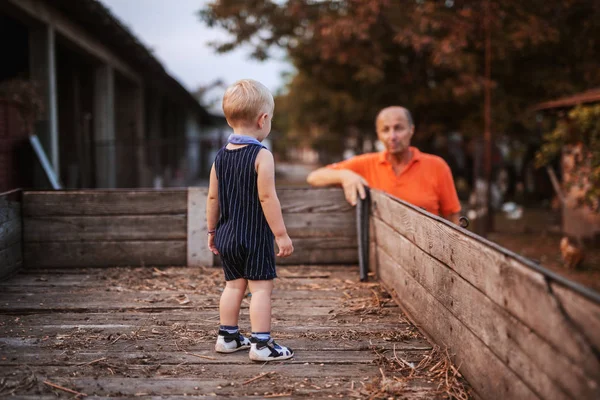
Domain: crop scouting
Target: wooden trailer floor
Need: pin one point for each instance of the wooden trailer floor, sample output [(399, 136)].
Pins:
[(150, 332)]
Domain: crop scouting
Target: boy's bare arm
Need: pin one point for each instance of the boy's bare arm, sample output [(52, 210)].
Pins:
[(265, 167), (212, 209)]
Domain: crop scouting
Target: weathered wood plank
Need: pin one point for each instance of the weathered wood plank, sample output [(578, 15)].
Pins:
[(584, 314), (335, 272), (11, 228), (162, 336), (104, 254), (372, 247), (197, 318), (18, 356), (135, 301), (488, 375), (83, 282), (320, 256), (10, 233), (515, 287), (9, 209), (105, 228), (87, 348), (215, 381), (105, 202), (10, 223), (152, 342), (11, 260), (198, 253), (318, 251), (549, 373), (195, 295), (313, 200), (320, 224), (167, 278), (324, 243)]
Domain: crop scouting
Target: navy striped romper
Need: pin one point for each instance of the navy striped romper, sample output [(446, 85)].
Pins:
[(244, 239)]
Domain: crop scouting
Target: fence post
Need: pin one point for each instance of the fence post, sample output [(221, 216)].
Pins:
[(198, 253)]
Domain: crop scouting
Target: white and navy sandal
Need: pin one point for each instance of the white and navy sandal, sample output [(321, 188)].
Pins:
[(231, 342), (268, 350)]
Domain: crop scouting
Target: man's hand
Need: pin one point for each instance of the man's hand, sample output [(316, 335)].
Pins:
[(284, 243), (353, 184), (211, 243)]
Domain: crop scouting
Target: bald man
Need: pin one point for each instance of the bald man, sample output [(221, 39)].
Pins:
[(401, 170)]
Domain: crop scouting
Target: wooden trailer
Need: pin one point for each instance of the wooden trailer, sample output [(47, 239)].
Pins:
[(113, 294)]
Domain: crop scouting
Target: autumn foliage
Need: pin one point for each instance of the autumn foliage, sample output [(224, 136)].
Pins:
[(352, 57)]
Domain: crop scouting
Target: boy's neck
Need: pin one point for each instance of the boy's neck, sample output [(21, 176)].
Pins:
[(244, 129), (246, 133)]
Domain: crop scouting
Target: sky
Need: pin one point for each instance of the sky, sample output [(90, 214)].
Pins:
[(179, 41)]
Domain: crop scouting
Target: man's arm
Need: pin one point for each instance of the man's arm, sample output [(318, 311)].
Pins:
[(351, 182), (449, 203), (454, 218)]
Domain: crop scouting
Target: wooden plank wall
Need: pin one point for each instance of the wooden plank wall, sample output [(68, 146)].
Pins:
[(11, 250), (102, 228), (99, 228), (321, 224), (515, 332)]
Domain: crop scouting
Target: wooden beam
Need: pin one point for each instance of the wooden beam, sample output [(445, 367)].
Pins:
[(520, 290), (54, 149), (42, 67), (105, 127), (104, 228), (43, 11), (136, 300), (313, 200), (333, 224), (198, 253), (104, 202), (11, 259), (319, 251), (541, 366), (105, 254), (10, 223), (322, 250), (11, 250)]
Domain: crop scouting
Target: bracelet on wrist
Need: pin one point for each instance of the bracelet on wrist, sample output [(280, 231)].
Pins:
[(211, 232)]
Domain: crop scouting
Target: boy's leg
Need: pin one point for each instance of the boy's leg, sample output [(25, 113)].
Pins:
[(230, 339), (263, 347), (231, 300), (260, 305)]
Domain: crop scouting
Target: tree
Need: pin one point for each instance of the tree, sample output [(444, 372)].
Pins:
[(579, 129), (354, 57)]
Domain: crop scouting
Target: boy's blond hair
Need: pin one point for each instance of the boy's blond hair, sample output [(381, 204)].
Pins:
[(245, 100)]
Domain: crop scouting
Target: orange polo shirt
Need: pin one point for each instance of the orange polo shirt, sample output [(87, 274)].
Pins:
[(425, 182)]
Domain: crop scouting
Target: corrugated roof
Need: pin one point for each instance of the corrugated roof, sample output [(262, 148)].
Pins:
[(589, 96), (93, 16)]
